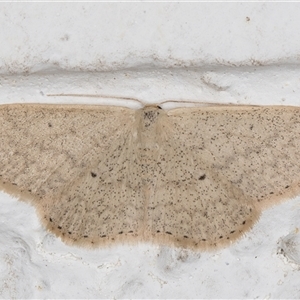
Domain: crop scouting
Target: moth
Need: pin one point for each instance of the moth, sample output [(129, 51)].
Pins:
[(195, 178)]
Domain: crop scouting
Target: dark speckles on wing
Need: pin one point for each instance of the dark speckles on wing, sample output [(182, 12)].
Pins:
[(185, 177)]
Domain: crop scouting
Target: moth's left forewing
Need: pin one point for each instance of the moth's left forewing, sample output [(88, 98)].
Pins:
[(257, 148)]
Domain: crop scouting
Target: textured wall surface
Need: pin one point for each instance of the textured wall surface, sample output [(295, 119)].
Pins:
[(245, 53)]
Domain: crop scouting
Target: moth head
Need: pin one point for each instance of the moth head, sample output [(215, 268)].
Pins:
[(151, 114)]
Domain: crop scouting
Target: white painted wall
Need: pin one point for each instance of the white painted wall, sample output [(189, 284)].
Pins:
[(214, 52)]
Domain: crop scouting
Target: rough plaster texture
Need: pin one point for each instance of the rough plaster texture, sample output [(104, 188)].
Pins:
[(214, 52)]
